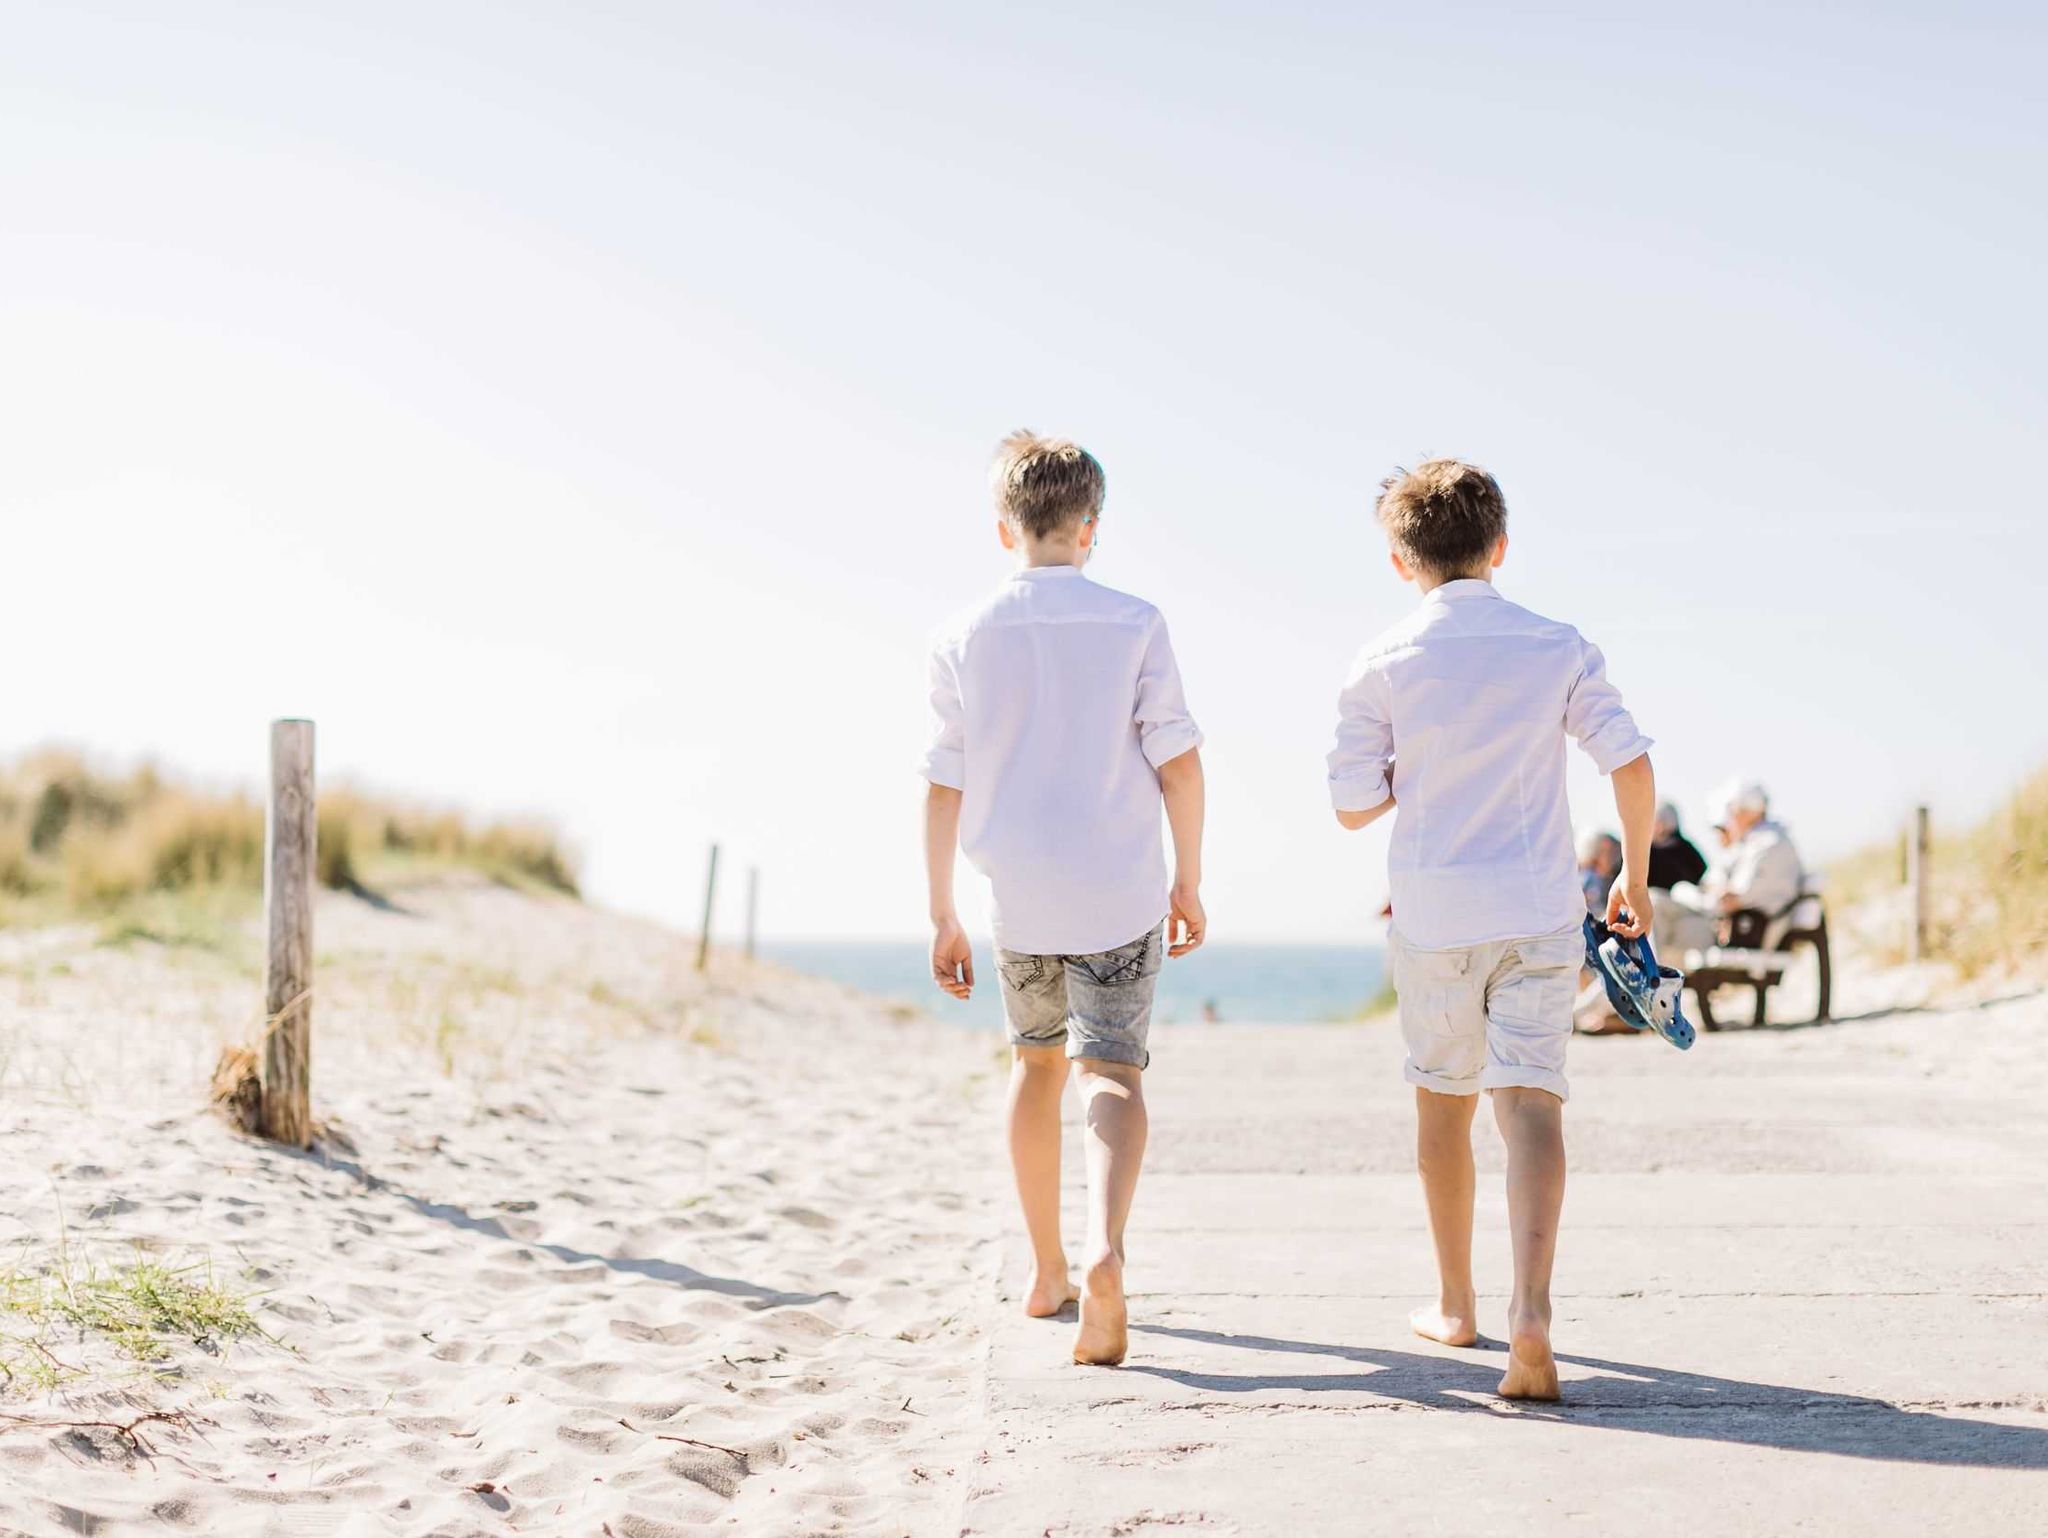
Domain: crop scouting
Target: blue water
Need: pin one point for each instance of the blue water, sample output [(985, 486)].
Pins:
[(1240, 982)]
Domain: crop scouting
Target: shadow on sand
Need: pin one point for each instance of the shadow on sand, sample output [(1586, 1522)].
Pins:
[(1658, 1400), (672, 1272)]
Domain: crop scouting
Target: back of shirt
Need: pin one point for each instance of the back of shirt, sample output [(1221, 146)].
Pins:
[(1054, 701), (1461, 713)]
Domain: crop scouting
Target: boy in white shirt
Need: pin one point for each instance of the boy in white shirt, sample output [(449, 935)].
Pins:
[(1060, 731), (1460, 713)]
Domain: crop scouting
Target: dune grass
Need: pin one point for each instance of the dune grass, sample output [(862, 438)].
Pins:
[(79, 842), (142, 1306), (1988, 907)]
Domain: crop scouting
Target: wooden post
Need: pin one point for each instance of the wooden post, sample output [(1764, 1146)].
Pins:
[(285, 1057), (710, 895), (1916, 885), (753, 906)]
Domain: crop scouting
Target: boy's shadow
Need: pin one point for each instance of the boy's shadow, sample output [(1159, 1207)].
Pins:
[(1653, 1399)]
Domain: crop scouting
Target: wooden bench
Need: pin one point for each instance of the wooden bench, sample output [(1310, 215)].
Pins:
[(1757, 949)]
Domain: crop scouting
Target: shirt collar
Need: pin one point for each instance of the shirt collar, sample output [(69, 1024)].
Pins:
[(1044, 573), (1461, 588)]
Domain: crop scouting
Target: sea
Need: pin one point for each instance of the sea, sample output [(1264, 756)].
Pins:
[(1224, 981)]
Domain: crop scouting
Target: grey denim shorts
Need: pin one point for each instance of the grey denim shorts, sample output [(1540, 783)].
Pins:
[(1100, 1004)]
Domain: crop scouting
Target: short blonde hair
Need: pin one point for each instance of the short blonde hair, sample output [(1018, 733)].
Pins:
[(1443, 517), (1045, 485)]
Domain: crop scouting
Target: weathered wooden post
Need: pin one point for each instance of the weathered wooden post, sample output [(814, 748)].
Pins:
[(753, 905), (704, 929), (1916, 885), (285, 1058)]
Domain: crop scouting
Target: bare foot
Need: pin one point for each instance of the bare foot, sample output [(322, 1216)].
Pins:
[(1104, 1335), (1050, 1292), (1452, 1326), (1532, 1370)]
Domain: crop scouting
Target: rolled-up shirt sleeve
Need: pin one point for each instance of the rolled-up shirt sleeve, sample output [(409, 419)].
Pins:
[(1165, 729), (945, 756), (1597, 720), (1363, 756)]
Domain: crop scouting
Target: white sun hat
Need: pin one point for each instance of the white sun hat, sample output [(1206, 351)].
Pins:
[(1741, 795)]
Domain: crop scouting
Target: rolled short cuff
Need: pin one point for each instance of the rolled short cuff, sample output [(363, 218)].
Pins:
[(1128, 1053), (1359, 792), (1167, 741), (1439, 1083), (1057, 1037), (1505, 1076), (1610, 751), (947, 767)]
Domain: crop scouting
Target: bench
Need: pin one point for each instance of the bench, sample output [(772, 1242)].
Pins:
[(1757, 949)]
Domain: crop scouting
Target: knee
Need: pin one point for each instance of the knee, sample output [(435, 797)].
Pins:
[(1523, 1106), (1040, 1062), (1102, 1077)]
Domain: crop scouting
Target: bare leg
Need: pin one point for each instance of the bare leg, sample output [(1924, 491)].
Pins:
[(1532, 1125), (1443, 1154), (1038, 1077), (1113, 1108)]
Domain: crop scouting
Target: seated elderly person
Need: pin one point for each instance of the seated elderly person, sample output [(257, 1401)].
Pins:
[(1674, 858), (1599, 864), (1758, 868)]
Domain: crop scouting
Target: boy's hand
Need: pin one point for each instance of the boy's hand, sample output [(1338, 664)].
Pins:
[(952, 958), (1631, 894), (1185, 918)]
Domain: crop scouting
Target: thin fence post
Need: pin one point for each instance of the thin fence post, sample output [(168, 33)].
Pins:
[(753, 906), (285, 1060), (710, 896), (1916, 885)]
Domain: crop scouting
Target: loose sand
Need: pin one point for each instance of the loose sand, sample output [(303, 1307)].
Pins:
[(595, 1245)]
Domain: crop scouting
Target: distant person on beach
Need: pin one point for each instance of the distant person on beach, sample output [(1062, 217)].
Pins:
[(1460, 712), (1599, 864), (1674, 858), (1757, 869), (1060, 730)]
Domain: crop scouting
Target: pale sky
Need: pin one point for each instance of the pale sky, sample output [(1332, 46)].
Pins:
[(583, 409)]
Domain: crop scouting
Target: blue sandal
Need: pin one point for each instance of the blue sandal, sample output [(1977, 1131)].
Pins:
[(1645, 995)]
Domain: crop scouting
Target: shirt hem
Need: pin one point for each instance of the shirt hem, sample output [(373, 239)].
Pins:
[(1086, 943)]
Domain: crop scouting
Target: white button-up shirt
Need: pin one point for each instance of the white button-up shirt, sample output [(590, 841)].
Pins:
[(1055, 702), (1462, 711)]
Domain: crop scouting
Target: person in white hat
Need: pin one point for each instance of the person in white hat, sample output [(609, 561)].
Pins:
[(1759, 869)]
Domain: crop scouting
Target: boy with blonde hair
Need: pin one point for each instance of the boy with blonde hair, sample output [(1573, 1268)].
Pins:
[(1460, 714), (1060, 731)]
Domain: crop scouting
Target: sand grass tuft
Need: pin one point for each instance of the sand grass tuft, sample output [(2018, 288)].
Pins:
[(237, 1091), (143, 1307)]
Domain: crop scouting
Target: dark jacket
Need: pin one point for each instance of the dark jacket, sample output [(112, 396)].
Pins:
[(1675, 860)]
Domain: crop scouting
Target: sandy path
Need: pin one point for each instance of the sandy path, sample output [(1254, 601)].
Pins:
[(607, 1250), (1803, 1286)]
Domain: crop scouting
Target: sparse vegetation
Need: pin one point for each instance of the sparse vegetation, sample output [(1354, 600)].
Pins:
[(1989, 903), (142, 1307), (78, 841)]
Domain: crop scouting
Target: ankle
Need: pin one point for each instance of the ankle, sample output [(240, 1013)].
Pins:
[(1456, 1303), (1047, 1267)]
